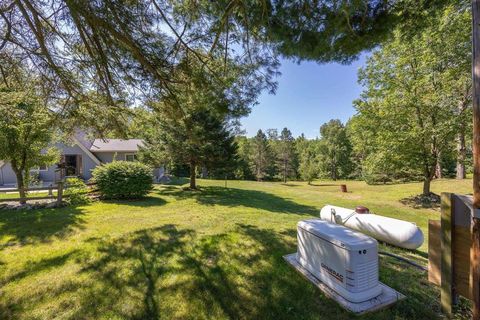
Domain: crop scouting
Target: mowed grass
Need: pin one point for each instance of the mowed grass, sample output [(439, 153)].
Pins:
[(209, 254), (15, 195)]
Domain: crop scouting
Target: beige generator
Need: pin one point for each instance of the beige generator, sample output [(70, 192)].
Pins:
[(344, 259)]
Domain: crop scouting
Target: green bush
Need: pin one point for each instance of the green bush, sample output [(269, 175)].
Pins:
[(384, 168), (77, 191), (123, 180)]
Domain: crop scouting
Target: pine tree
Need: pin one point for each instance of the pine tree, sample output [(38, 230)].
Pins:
[(200, 139), (261, 155), (286, 154)]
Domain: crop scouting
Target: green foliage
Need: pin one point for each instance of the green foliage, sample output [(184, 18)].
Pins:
[(334, 151), (33, 179), (26, 123), (416, 100), (123, 180), (309, 167), (322, 31), (194, 128), (285, 154), (386, 167), (243, 171), (261, 156), (77, 191), (200, 138)]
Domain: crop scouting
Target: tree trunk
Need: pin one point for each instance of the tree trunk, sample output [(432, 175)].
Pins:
[(438, 169), (461, 154), (21, 186), (193, 181), (426, 186), (284, 171), (334, 171)]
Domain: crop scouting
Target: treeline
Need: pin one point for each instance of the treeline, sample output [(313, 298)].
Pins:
[(340, 152), (412, 121), (271, 155)]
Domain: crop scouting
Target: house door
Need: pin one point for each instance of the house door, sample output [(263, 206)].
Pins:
[(73, 165)]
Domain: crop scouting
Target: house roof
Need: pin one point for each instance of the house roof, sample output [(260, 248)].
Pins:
[(116, 145)]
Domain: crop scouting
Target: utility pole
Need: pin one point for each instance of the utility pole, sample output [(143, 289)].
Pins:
[(475, 249)]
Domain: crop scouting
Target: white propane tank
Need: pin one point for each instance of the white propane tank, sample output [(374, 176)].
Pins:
[(400, 233)]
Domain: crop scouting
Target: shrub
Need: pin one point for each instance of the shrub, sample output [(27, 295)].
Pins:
[(77, 191), (34, 179), (123, 180)]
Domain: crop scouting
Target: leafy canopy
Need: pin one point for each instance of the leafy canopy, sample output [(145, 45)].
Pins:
[(26, 130), (417, 93)]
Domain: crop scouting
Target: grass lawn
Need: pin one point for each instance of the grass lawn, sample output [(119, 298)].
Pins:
[(215, 253), (13, 195)]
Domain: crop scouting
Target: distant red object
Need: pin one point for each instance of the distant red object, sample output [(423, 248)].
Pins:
[(361, 209), (343, 187)]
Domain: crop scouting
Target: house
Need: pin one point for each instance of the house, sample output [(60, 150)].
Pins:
[(80, 157)]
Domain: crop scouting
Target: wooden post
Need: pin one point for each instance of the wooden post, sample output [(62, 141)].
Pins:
[(50, 190), (475, 268), (446, 240), (474, 263), (59, 193)]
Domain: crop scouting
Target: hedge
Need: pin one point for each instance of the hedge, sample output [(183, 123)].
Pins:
[(123, 180)]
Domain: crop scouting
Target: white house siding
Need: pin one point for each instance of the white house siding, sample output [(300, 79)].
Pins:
[(7, 176), (158, 172), (87, 163)]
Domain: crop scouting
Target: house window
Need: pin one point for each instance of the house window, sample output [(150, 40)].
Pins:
[(130, 157)]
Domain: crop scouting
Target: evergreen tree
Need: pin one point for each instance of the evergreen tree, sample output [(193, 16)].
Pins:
[(200, 139), (273, 168), (192, 127), (261, 155), (286, 154)]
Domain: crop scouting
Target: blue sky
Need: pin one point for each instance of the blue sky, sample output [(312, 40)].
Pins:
[(308, 95)]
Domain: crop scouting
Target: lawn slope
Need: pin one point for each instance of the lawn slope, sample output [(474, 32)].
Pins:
[(209, 254)]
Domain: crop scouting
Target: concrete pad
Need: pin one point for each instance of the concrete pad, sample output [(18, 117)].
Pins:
[(388, 296)]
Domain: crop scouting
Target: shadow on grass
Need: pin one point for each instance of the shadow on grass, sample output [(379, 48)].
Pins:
[(167, 272), (33, 268), (40, 225), (232, 197), (177, 181), (148, 201), (290, 185)]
